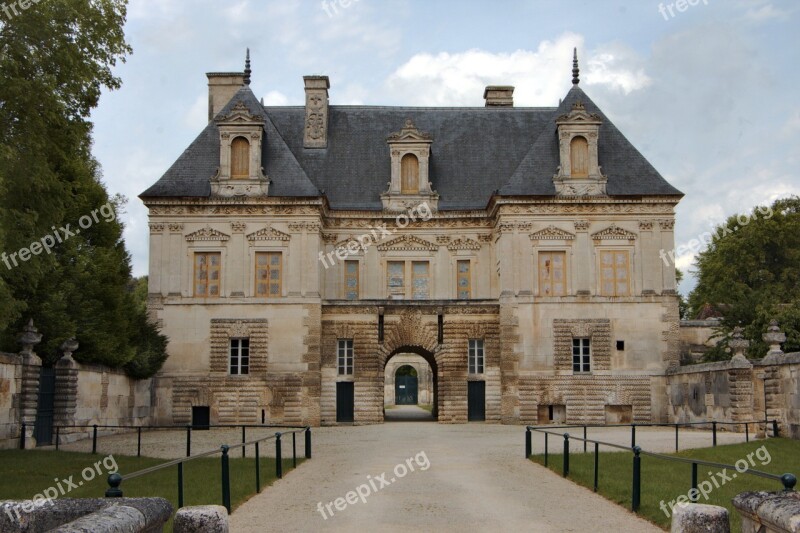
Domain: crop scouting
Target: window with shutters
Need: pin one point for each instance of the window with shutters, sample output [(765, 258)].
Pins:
[(207, 274), (240, 158), (269, 273), (464, 280), (615, 273), (579, 157), (552, 274)]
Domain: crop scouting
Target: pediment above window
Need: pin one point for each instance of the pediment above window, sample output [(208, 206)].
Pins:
[(207, 234), (464, 244), (408, 243), (552, 233), (614, 233), (268, 234)]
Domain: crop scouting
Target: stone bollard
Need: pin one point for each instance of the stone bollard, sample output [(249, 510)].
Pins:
[(700, 518), (201, 519)]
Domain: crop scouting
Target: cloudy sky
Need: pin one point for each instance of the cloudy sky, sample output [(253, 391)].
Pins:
[(707, 94)]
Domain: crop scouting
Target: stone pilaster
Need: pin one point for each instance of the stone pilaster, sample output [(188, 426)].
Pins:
[(31, 370), (65, 401)]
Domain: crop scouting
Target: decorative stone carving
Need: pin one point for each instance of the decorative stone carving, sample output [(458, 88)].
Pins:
[(238, 227), (443, 239), (666, 224), (738, 345), (551, 233), (29, 338), (579, 123), (67, 348), (581, 225), (464, 244), (156, 227), (614, 233), (485, 238), (408, 243), (207, 234), (316, 121), (175, 227), (240, 123), (329, 238), (646, 225), (268, 234), (774, 337)]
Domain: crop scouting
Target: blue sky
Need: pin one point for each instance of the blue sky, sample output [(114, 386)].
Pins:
[(708, 94)]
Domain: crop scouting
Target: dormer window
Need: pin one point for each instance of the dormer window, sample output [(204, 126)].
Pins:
[(240, 158), (579, 157), (241, 134), (579, 172), (409, 174), (410, 152)]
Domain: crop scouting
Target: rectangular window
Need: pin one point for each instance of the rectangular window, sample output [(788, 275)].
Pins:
[(581, 355), (206, 274), (351, 280), (420, 280), (552, 278), (345, 357), (614, 273), (268, 274), (463, 280), (240, 357), (395, 278), (475, 356)]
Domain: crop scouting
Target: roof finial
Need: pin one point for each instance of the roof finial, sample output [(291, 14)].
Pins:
[(247, 70), (575, 70)]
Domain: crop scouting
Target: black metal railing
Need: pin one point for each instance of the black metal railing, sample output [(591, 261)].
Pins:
[(787, 480), (95, 428), (115, 480)]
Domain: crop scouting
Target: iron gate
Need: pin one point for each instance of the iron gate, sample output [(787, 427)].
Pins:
[(43, 429)]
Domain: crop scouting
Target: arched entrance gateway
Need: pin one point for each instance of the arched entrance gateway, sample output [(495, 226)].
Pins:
[(454, 350)]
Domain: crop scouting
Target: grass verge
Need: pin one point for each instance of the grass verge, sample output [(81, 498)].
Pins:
[(664, 481), (29, 472)]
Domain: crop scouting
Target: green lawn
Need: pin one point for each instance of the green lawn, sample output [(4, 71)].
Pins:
[(29, 472), (666, 480)]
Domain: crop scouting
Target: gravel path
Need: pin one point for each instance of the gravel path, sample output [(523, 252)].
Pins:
[(476, 480)]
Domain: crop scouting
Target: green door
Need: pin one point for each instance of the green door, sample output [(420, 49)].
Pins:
[(405, 390)]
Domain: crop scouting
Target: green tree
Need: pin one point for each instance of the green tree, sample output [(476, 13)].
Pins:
[(750, 273), (55, 59)]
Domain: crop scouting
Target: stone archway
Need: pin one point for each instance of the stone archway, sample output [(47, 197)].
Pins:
[(426, 367)]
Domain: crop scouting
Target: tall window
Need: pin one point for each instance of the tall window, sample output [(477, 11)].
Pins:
[(552, 279), (463, 280), (409, 174), (395, 278), (345, 357), (615, 273), (475, 356), (240, 158), (239, 357), (579, 157), (351, 280), (206, 274), (581, 355), (420, 280), (268, 274)]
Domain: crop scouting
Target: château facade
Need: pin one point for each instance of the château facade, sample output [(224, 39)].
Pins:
[(294, 251)]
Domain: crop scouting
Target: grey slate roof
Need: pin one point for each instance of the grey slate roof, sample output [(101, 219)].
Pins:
[(475, 152)]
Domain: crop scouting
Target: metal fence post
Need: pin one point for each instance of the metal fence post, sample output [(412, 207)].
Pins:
[(278, 459), (58, 436), (139, 441), (113, 490), (566, 454), (189, 440), (527, 442), (22, 437), (789, 481), (584, 439), (747, 432), (94, 438), (294, 450), (637, 479), (258, 470), (244, 439), (633, 435), (226, 479), (774, 428), (676, 437), (693, 492), (180, 485), (596, 464), (308, 443), (714, 432)]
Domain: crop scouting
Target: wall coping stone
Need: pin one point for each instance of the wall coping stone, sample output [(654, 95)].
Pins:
[(201, 519), (700, 518), (778, 511)]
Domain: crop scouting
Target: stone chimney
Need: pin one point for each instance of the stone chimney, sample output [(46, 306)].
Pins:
[(221, 88), (499, 96), (316, 127)]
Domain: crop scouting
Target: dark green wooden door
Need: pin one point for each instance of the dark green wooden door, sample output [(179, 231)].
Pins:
[(345, 401), (476, 401), (405, 390)]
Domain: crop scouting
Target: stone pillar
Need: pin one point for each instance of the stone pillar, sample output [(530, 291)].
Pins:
[(699, 518), (505, 259), (172, 256), (772, 375), (236, 278), (31, 369), (740, 376), (65, 402), (582, 261), (509, 364)]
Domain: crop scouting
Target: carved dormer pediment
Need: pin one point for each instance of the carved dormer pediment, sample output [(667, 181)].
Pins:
[(239, 114), (614, 233), (409, 133), (408, 243), (207, 234), (552, 233), (463, 244), (268, 234), (580, 115)]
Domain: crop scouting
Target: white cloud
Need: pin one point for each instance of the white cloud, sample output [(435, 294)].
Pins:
[(196, 117)]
